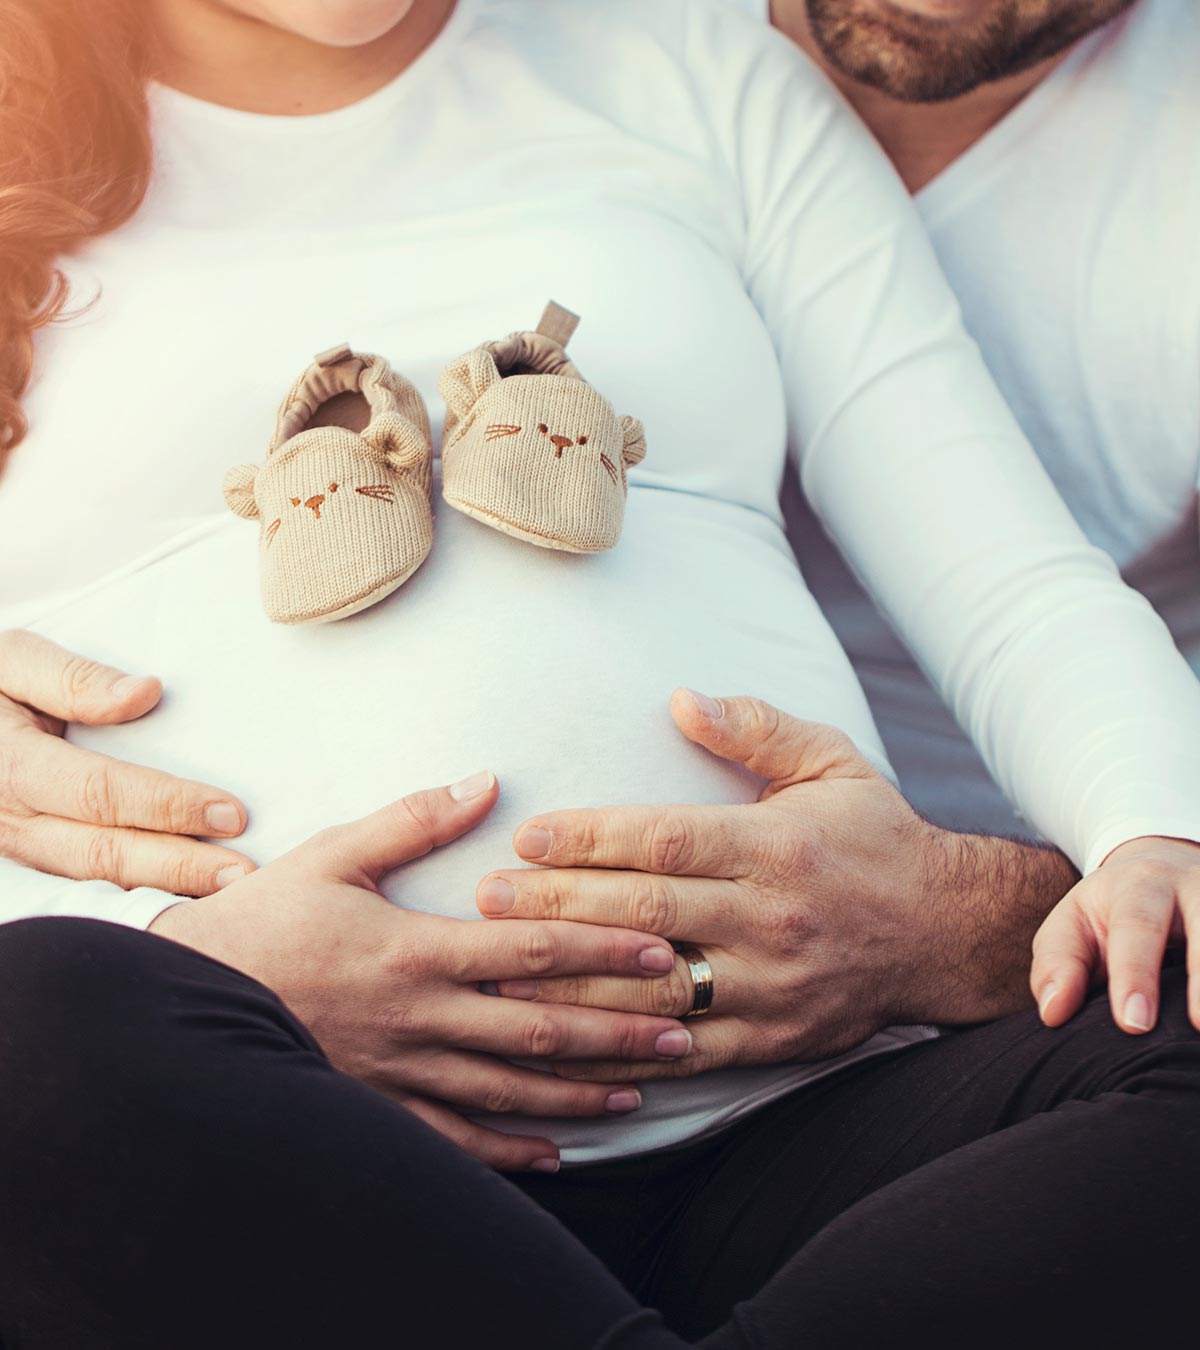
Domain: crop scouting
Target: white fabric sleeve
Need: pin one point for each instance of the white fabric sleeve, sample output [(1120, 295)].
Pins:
[(26, 894), (1064, 678)]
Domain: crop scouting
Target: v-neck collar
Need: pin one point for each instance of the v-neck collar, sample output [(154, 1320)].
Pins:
[(996, 144)]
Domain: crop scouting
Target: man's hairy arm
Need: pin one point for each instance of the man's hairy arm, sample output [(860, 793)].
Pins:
[(987, 897)]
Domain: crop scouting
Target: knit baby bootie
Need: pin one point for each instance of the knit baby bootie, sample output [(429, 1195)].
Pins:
[(531, 448), (343, 496)]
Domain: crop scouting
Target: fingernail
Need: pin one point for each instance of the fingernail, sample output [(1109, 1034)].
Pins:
[(497, 896), (707, 707), (126, 685), (544, 1165), (1137, 1012), (519, 988), (628, 1099), (534, 843), (228, 875), (223, 818), (1048, 995), (673, 1044), (656, 960), (468, 788)]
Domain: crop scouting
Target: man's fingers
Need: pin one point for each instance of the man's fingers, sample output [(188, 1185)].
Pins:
[(404, 829), (669, 997), (504, 1152), (672, 996), (501, 1026), (693, 908), (481, 1083), (128, 858), (1138, 928), (38, 672), (717, 1044), (703, 841), (52, 777), (770, 743), (520, 951), (1065, 955)]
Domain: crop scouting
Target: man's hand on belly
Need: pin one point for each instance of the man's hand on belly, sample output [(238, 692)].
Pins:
[(393, 996), (827, 910)]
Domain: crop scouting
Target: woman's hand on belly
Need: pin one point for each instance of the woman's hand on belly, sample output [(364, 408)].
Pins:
[(393, 996), (82, 815), (827, 910)]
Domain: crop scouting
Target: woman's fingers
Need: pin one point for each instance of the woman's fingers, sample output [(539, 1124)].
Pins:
[(1142, 897), (48, 776), (83, 815), (42, 674), (1190, 913), (1139, 927), (1120, 918), (504, 1152), (403, 830), (693, 908), (128, 858), (519, 1030), (484, 1083), (1066, 953)]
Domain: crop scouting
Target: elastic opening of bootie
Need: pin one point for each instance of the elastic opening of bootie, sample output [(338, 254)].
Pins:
[(531, 354), (332, 393)]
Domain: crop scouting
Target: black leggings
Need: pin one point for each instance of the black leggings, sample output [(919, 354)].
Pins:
[(181, 1168)]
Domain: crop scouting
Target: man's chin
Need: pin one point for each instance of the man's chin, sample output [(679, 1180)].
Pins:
[(931, 51), (908, 49)]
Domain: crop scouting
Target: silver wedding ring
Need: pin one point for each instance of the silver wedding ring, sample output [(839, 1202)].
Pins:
[(702, 981)]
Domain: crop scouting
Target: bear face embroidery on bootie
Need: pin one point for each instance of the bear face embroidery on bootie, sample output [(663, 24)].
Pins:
[(343, 497), (530, 448)]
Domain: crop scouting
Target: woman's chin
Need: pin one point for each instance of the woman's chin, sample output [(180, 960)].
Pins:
[(340, 23)]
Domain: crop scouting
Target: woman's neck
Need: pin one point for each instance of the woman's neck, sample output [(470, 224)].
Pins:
[(921, 139), (221, 56)]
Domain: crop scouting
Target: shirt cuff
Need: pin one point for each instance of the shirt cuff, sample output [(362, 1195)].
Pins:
[(1150, 827), (26, 894)]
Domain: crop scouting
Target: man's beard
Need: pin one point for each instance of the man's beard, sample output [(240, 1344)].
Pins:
[(925, 60)]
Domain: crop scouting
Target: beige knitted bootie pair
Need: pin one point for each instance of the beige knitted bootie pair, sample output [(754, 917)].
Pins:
[(344, 495)]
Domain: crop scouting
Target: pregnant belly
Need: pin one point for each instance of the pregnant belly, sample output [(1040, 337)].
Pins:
[(552, 670)]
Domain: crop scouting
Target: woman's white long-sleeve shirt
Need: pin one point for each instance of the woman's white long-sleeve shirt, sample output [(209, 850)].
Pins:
[(751, 275)]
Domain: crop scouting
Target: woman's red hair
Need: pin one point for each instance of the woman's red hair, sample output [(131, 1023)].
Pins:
[(74, 159)]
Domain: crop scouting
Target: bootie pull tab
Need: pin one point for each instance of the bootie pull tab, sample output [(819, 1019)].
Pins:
[(332, 372), (557, 323), (339, 355)]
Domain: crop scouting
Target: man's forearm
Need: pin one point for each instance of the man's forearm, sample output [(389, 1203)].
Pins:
[(987, 899)]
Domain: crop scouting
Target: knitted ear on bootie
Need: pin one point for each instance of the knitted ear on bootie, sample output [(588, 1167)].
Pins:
[(343, 497), (531, 448)]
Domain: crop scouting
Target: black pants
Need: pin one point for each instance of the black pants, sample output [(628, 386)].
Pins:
[(181, 1168)]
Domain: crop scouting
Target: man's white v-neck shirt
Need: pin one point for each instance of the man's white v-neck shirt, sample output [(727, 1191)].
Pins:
[(1070, 235)]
